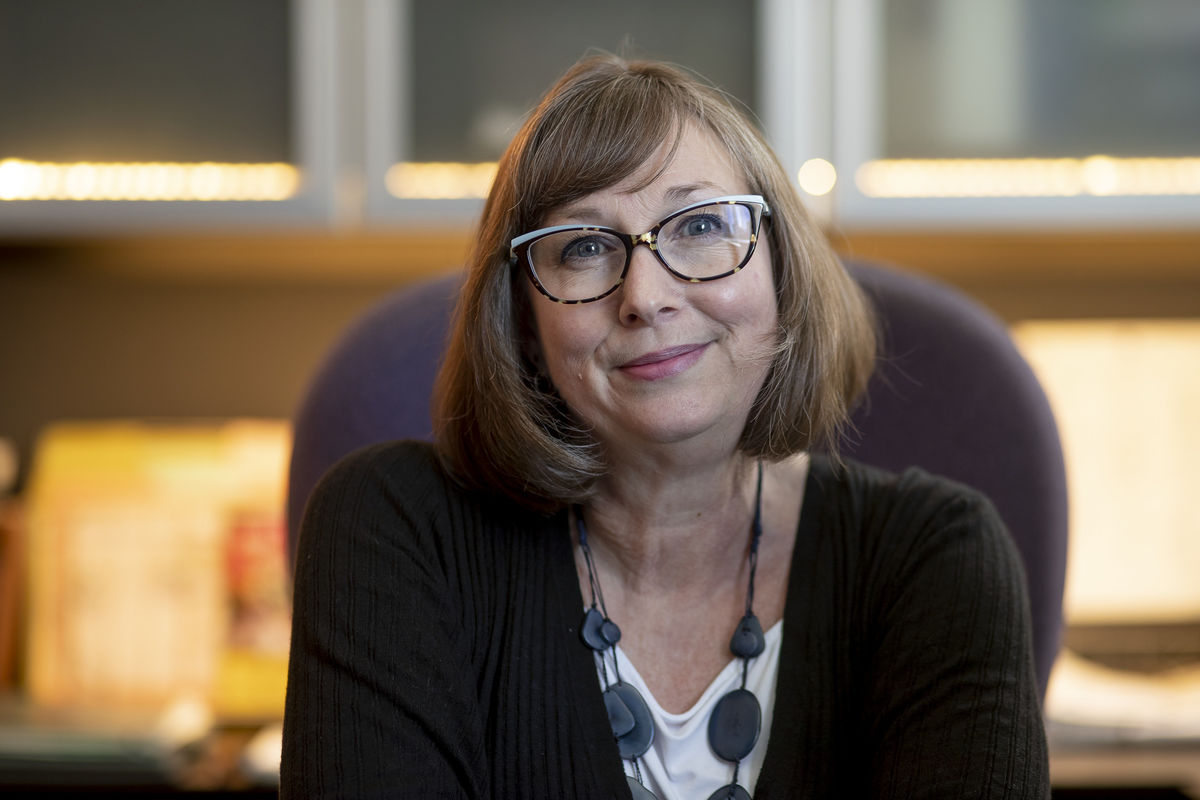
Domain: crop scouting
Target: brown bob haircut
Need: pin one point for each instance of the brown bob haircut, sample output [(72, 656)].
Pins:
[(499, 425)]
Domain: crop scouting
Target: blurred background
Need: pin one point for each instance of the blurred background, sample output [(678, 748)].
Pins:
[(197, 196)]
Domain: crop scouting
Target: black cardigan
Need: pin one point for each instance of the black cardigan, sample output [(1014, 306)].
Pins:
[(435, 650)]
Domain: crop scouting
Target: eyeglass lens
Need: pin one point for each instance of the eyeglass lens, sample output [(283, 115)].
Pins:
[(701, 243)]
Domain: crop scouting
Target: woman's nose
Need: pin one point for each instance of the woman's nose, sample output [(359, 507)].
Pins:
[(649, 290)]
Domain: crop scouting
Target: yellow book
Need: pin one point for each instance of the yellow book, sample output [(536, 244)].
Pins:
[(157, 565)]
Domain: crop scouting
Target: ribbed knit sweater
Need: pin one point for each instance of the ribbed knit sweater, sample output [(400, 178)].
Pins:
[(435, 646)]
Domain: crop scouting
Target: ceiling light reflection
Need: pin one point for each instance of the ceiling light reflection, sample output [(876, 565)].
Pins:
[(1098, 175), (440, 180), (34, 180), (817, 177)]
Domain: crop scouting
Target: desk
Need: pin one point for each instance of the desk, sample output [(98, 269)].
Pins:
[(213, 767), (1116, 771)]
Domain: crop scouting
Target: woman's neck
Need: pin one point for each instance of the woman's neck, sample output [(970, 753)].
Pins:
[(658, 530), (672, 554)]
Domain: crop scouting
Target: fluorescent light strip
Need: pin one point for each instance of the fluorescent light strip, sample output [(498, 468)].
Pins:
[(440, 180), (34, 180), (1029, 177)]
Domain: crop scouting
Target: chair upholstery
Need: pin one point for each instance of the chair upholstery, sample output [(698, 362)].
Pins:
[(951, 394)]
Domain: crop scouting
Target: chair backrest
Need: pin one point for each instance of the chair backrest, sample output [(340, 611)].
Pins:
[(951, 394)]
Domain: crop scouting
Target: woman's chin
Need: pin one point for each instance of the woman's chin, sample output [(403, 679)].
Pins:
[(681, 431)]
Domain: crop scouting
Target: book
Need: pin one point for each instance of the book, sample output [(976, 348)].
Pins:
[(157, 566)]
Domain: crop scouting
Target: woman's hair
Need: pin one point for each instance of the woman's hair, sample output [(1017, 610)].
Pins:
[(499, 425)]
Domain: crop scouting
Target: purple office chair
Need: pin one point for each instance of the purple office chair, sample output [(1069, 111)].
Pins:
[(951, 394)]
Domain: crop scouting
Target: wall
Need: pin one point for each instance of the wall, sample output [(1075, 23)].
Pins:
[(179, 327)]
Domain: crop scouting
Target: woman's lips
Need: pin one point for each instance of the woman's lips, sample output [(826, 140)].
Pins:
[(663, 363)]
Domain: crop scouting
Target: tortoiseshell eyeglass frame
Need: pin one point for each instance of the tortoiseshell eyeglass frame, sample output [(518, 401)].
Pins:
[(519, 247)]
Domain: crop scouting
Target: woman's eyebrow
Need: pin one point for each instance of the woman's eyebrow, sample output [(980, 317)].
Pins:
[(685, 192), (673, 197), (571, 214)]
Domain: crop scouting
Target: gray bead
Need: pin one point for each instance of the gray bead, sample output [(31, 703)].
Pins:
[(748, 640), (734, 725), (596, 631), (638, 738)]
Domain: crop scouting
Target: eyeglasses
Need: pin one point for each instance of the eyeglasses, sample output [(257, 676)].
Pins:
[(705, 241)]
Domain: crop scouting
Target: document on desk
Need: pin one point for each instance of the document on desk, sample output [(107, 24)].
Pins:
[(1088, 704)]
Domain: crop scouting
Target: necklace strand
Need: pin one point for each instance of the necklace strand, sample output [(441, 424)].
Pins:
[(735, 723)]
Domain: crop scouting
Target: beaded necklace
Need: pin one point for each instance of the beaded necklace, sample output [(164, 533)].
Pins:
[(735, 723)]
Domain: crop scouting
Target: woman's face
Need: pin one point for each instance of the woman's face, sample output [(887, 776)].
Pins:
[(661, 360)]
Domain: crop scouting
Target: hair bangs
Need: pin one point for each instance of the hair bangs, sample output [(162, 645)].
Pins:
[(595, 137)]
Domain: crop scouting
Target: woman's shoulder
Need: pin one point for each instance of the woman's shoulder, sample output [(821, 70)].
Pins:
[(394, 460), (391, 514), (395, 486), (905, 522), (888, 532), (910, 498), (403, 485), (405, 473)]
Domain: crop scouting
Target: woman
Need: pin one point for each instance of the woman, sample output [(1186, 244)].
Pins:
[(581, 590)]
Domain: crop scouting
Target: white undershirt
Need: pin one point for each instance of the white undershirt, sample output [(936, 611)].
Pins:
[(679, 764)]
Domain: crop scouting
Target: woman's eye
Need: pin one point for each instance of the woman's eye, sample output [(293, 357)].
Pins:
[(583, 248), (701, 225)]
